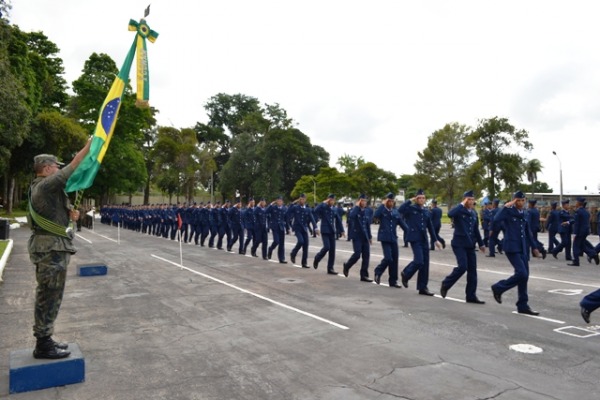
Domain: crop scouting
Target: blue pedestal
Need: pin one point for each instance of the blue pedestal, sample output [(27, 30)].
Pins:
[(28, 373), (92, 269)]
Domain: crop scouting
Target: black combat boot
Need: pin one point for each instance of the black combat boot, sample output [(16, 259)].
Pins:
[(59, 345), (45, 348)]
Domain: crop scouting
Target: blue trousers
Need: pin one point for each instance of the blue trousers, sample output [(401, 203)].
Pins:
[(279, 242), (565, 243), (260, 238), (328, 247), (582, 245), (592, 301), (237, 233), (362, 248), (493, 242), (520, 263), (466, 259), (249, 237), (420, 263), (390, 259), (301, 243), (552, 241)]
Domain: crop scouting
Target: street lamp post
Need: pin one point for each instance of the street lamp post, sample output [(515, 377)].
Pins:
[(560, 169)]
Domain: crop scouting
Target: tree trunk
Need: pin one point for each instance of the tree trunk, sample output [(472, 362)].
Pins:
[(5, 190), (147, 191), (11, 189)]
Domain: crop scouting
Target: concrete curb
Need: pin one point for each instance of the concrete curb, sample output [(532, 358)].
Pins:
[(5, 256)]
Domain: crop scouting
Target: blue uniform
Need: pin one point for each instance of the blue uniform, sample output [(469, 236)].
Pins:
[(517, 242), (248, 220), (553, 226), (495, 228), (359, 231), (418, 220), (237, 229), (533, 219), (260, 232), (464, 242), (581, 230), (299, 217), (278, 226), (330, 222), (389, 220), (486, 225), (436, 220), (565, 234)]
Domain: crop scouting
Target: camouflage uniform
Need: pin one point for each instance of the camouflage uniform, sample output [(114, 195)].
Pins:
[(49, 252)]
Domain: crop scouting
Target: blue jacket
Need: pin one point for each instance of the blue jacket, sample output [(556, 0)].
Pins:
[(517, 233), (581, 222), (248, 218), (330, 219), (533, 217), (436, 217), (418, 220), (360, 228), (389, 219), (260, 219), (553, 221), (235, 217), (487, 218), (466, 227), (277, 217), (300, 216), (565, 216)]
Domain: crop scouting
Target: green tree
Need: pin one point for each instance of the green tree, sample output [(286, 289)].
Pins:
[(349, 163), (176, 156), (373, 181), (328, 180), (441, 166), (532, 168), (497, 145)]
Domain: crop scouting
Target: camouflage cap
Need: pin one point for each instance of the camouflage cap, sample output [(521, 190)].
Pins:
[(43, 159)]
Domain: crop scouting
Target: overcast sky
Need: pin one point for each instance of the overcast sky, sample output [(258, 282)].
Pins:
[(365, 78)]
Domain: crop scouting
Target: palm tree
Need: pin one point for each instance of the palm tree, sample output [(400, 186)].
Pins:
[(532, 167)]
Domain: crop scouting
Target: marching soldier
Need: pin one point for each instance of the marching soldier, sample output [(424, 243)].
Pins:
[(553, 225), (276, 212), (565, 232), (389, 220), (436, 220), (299, 216), (359, 223), (237, 227), (518, 240), (249, 223), (260, 230), (464, 242), (418, 219), (581, 230), (330, 220)]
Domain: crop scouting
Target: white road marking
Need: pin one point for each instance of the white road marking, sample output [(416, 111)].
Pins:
[(526, 348), (556, 321), (449, 298), (277, 303), (81, 237), (567, 292), (105, 237), (588, 333)]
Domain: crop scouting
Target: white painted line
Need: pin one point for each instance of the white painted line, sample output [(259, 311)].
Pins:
[(526, 348), (105, 237), (556, 321), (81, 237), (277, 303), (450, 298), (584, 336), (567, 292)]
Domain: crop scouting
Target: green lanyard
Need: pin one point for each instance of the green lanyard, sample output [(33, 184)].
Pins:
[(47, 225)]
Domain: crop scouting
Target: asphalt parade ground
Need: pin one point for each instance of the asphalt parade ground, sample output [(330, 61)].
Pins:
[(227, 326)]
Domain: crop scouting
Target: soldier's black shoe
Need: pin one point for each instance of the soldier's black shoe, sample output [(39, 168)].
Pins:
[(544, 254), (554, 254), (475, 301), (253, 253), (585, 314), (426, 292), (59, 345), (573, 264), (528, 311), (315, 264), (269, 253), (229, 249), (497, 296), (242, 252), (377, 278), (332, 272), (490, 255), (46, 349), (395, 285), (500, 250), (265, 258), (293, 258), (346, 270), (443, 291), (596, 259), (282, 262), (443, 245), (305, 266), (404, 280), (365, 279)]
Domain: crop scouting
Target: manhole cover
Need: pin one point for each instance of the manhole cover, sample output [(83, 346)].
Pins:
[(526, 348)]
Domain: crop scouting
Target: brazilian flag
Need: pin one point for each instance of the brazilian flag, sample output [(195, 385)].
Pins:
[(84, 175)]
